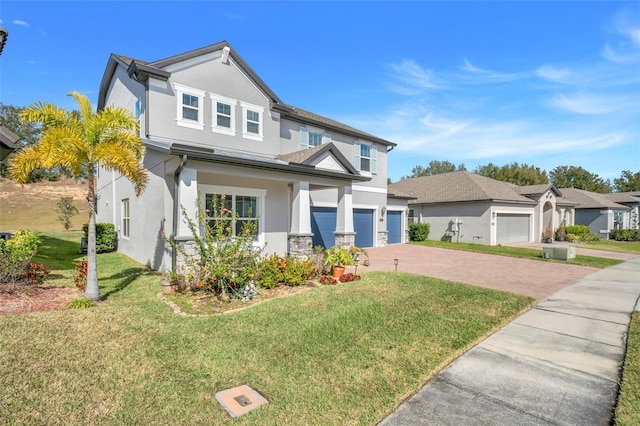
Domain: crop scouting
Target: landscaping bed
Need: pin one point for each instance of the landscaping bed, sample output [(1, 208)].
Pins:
[(19, 299)]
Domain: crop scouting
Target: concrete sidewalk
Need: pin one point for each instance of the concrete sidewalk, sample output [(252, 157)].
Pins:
[(557, 364)]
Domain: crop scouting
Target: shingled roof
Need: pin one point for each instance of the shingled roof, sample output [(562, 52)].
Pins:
[(589, 200), (457, 187), (623, 197)]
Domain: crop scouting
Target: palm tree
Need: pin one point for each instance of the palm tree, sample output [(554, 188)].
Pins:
[(82, 142)]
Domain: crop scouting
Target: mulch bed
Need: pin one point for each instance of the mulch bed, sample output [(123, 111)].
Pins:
[(24, 298)]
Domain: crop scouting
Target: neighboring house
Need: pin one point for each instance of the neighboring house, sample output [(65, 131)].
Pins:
[(466, 207), (598, 211), (8, 142), (631, 200), (212, 127)]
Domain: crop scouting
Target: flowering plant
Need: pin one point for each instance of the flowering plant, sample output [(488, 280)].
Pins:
[(326, 279), (349, 277)]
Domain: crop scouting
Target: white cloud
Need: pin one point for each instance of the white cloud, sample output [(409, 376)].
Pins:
[(412, 78), (590, 104), (549, 72), (627, 48), (620, 55), (479, 75), (21, 23)]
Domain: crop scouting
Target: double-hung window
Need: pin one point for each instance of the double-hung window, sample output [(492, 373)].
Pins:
[(252, 121), (224, 115), (365, 157), (231, 210), (190, 103), (125, 219), (310, 137)]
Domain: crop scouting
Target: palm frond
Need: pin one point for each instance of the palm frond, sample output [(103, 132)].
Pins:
[(24, 162), (49, 115), (63, 146), (86, 111), (121, 157)]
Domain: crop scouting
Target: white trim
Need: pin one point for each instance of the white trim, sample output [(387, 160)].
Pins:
[(123, 217), (181, 89), (251, 192), (254, 108), (231, 131), (324, 204), (363, 188)]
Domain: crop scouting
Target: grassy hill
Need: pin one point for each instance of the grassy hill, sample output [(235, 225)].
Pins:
[(33, 205)]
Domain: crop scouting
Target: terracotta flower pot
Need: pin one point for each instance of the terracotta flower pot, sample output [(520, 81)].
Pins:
[(337, 271)]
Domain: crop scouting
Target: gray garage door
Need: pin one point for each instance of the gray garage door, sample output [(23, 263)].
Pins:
[(512, 228), (394, 226), (363, 226)]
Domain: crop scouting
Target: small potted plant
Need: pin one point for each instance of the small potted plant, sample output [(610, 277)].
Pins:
[(547, 237), (561, 232), (338, 258)]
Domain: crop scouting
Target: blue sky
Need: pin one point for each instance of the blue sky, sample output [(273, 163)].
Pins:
[(544, 83)]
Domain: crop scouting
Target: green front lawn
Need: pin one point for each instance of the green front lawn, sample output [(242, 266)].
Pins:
[(632, 247), (628, 409), (521, 252), (344, 354)]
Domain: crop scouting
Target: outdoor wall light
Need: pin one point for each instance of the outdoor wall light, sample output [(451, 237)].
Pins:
[(395, 262), (382, 212), (3, 38)]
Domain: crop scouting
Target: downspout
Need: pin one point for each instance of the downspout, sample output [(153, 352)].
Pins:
[(176, 211)]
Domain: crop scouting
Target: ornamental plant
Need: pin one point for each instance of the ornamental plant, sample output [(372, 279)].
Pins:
[(16, 253), (224, 262)]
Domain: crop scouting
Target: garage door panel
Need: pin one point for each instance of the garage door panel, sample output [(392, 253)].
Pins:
[(363, 227), (323, 226), (394, 226), (512, 228)]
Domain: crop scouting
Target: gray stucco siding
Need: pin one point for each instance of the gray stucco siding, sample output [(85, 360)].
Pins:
[(476, 221)]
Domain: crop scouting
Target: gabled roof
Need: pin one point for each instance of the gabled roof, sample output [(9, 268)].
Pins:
[(457, 187), (140, 70), (536, 190), (8, 138), (589, 200), (623, 197), (257, 161), (309, 156)]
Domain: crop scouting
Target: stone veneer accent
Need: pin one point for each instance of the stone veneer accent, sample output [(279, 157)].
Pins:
[(345, 239), (300, 245), (189, 247), (383, 238)]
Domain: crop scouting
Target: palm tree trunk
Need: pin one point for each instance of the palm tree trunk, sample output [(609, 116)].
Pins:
[(92, 291)]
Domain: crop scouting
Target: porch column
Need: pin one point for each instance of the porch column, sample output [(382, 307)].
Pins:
[(345, 236), (187, 197), (300, 237)]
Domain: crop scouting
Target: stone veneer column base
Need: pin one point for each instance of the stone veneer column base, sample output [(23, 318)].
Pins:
[(300, 245), (345, 239), (383, 238), (188, 247)]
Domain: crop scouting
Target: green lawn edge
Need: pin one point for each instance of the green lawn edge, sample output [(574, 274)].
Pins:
[(628, 408)]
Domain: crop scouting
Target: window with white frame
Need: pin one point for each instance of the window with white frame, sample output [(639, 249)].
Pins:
[(365, 157), (137, 109), (190, 103), (411, 217), (310, 137), (125, 218), (231, 209), (252, 121), (224, 114)]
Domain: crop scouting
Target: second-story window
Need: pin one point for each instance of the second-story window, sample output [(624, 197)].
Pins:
[(190, 106), (365, 157), (310, 137), (224, 114), (252, 121)]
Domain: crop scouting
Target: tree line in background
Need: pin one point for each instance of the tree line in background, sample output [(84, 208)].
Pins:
[(524, 174), (518, 174)]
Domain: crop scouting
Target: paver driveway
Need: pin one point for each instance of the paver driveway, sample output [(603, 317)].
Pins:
[(521, 276)]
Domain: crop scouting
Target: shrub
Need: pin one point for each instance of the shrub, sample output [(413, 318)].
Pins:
[(81, 303), (224, 263), (80, 279), (66, 210), (36, 273), (580, 233), (419, 231), (274, 271), (625, 234), (338, 256), (572, 238), (106, 236), (16, 253)]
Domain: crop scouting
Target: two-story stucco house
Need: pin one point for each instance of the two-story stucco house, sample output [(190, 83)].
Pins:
[(212, 127)]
